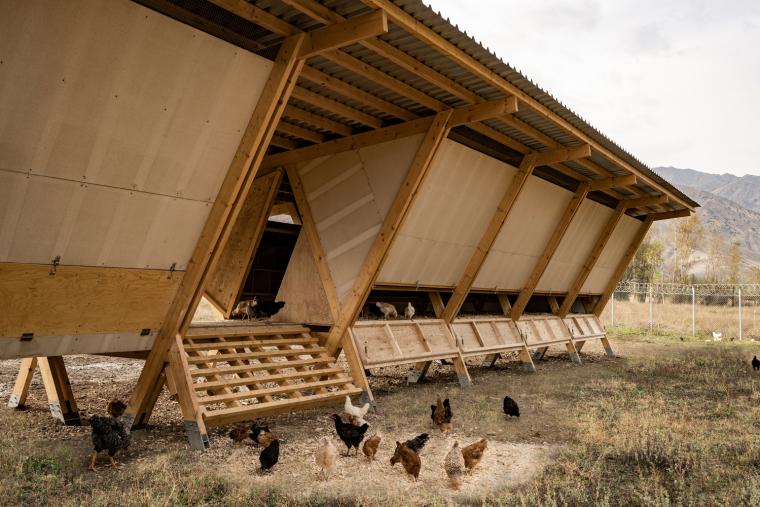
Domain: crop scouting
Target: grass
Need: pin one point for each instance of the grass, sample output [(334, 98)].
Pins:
[(670, 424)]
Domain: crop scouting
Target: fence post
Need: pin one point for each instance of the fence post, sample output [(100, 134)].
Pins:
[(740, 314), (693, 312), (651, 296)]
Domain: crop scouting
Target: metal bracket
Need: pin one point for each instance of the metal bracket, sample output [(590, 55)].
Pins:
[(129, 419), (464, 380), (414, 377), (364, 399), (171, 271), (197, 439), (56, 262), (13, 401), (529, 367)]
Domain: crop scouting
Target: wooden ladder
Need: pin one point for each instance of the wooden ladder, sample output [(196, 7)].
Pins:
[(243, 372)]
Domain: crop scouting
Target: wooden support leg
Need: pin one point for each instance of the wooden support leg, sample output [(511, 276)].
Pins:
[(527, 361), (540, 353), (191, 411), (490, 360), (59, 393), (151, 400), (607, 347), (24, 379), (419, 371), (579, 346), (574, 357), (357, 371), (170, 385), (461, 368)]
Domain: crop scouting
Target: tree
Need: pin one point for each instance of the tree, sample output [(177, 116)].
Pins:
[(716, 248), (734, 263), (754, 275), (685, 237), (647, 260)]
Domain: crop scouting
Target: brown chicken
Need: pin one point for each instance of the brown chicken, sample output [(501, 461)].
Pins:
[(238, 434), (454, 465), (473, 453), (372, 445), (409, 460), (262, 436), (116, 409), (442, 415), (326, 456)]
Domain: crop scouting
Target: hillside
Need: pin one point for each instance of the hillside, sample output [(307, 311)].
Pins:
[(743, 190)]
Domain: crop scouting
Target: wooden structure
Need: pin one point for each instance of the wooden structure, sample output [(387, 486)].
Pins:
[(146, 143)]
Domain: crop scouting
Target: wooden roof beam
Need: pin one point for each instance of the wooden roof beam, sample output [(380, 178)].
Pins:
[(318, 121), (295, 130), (671, 214), (647, 201), (563, 154), (345, 33), (484, 111), (283, 142), (336, 107), (616, 181)]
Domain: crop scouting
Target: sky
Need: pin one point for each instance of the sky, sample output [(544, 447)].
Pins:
[(674, 83)]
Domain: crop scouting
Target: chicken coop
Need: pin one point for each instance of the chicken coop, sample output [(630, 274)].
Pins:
[(147, 147)]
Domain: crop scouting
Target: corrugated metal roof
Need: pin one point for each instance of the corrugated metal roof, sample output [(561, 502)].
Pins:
[(411, 45)]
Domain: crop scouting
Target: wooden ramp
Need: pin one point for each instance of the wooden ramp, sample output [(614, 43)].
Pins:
[(584, 327), (542, 331), (246, 371), (491, 337), (390, 343)]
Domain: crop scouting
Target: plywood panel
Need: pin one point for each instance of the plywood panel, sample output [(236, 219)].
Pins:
[(45, 346), (226, 282), (82, 300), (575, 248), (302, 290), (524, 236), (612, 255), (349, 195), (449, 218)]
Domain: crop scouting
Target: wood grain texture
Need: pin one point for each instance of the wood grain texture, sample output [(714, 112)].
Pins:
[(80, 300), (226, 283)]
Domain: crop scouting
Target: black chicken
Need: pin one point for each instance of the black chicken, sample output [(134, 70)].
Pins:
[(269, 456), (432, 413), (351, 435), (269, 308), (417, 443), (111, 434), (511, 408), (755, 363)]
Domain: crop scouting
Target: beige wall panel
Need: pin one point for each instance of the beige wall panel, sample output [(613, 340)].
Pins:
[(524, 236), (449, 218), (612, 255), (42, 346), (575, 247), (113, 93), (80, 300), (349, 195), (302, 290), (93, 225)]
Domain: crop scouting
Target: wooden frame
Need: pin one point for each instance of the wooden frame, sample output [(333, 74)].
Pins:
[(58, 388), (23, 381), (585, 327), (491, 337), (345, 33), (542, 331)]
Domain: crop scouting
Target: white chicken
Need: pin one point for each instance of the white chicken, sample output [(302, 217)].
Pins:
[(388, 310), (717, 336), (409, 312), (355, 414)]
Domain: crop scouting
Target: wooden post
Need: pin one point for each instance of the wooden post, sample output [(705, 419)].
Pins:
[(546, 256), (420, 369), (24, 379), (553, 304), (58, 389), (223, 214), (602, 302), (503, 211)]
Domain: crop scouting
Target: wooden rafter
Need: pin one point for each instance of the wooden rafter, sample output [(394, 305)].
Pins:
[(548, 253), (295, 130), (334, 106), (671, 215), (318, 121), (344, 33)]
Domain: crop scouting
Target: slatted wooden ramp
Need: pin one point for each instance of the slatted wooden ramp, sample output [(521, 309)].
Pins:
[(585, 327), (490, 338), (242, 372)]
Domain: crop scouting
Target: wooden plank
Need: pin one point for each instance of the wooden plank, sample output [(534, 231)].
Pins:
[(23, 380), (671, 215), (553, 304), (591, 261), (212, 331), (192, 412), (236, 382), (389, 231), (272, 391), (251, 355), (284, 142), (411, 358), (563, 155), (647, 201), (345, 33), (486, 243), (355, 142), (484, 111), (223, 214), (617, 181), (309, 228), (317, 120), (80, 300), (58, 388), (334, 106), (506, 306), (437, 301), (225, 284), (295, 130), (261, 367), (600, 304), (551, 247)]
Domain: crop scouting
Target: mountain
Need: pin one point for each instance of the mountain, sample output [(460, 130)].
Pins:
[(743, 190)]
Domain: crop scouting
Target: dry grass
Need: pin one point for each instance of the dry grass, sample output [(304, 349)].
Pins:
[(669, 423)]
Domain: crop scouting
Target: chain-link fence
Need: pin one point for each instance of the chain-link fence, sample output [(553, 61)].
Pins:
[(732, 311)]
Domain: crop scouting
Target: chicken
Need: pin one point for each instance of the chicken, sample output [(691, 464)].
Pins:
[(374, 310), (355, 414), (473, 453), (116, 409), (372, 445), (269, 456), (388, 310), (251, 310), (269, 308), (442, 415), (262, 436), (432, 413), (717, 336), (409, 460), (409, 311), (239, 309), (327, 456), (351, 435), (511, 408), (111, 434), (755, 363), (417, 443), (238, 435), (454, 465)]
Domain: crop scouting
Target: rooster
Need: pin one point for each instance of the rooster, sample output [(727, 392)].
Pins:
[(108, 434), (355, 415)]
